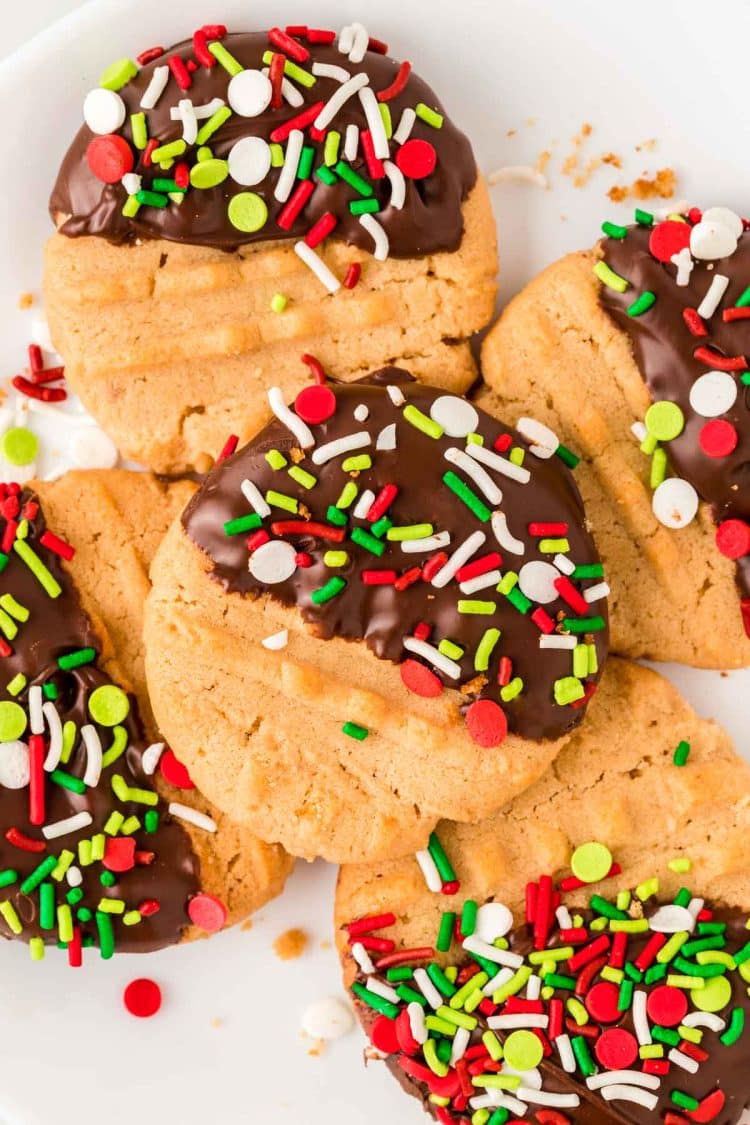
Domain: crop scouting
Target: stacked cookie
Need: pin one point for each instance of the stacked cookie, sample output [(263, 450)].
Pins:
[(377, 630)]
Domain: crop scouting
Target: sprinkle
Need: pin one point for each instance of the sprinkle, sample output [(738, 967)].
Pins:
[(609, 278), (429, 116), (378, 235), (70, 824), (642, 304), (682, 753), (155, 88), (292, 422), (500, 464), (354, 730), (467, 496), (481, 478), (192, 816), (330, 590), (317, 265), (45, 579), (712, 299)]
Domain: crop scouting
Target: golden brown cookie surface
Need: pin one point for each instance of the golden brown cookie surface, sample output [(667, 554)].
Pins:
[(557, 354), (616, 784)]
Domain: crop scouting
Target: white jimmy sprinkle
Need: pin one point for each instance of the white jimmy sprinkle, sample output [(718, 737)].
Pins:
[(430, 543), (429, 870), (192, 816), (639, 431), (473, 944), (93, 745), (705, 1019), (640, 1018), (497, 982), (564, 920), (362, 957), (202, 112), (416, 1022), (671, 919), (380, 988), (340, 445), (361, 412), (461, 1041), (694, 908), (684, 263), (518, 1019), (132, 182), (565, 1051), (151, 756), (70, 824), (374, 122), (494, 1098), (597, 592), (330, 70), (460, 556), (480, 476), (405, 126), (387, 438), (54, 752), (564, 564), (189, 120), (351, 143), (363, 505), (712, 299), (499, 464), (427, 988), (289, 92), (378, 235), (679, 1058), (338, 100), (291, 420), (395, 394), (398, 185), (481, 582), (499, 525), (534, 987), (324, 275), (630, 1094), (255, 498), (288, 174), (356, 37), (155, 88), (276, 641), (36, 714)]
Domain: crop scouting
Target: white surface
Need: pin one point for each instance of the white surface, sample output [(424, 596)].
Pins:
[(69, 1051)]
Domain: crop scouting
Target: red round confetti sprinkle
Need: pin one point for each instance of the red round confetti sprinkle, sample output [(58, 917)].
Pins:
[(487, 723), (383, 1035), (601, 1002), (616, 1048), (420, 680), (416, 159), (110, 158), (148, 907), (709, 1108), (668, 238), (142, 997), (119, 854), (718, 438), (173, 771), (303, 559), (315, 404), (207, 912), (667, 1006), (733, 538)]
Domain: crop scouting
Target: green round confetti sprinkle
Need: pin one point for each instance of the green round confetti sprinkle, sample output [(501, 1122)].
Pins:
[(591, 862), (19, 446), (12, 721), (108, 705), (118, 74), (714, 996), (247, 212), (209, 173), (523, 1051), (664, 420)]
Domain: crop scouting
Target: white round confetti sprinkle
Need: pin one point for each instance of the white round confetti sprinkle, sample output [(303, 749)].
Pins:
[(273, 562), (457, 416), (725, 217), (713, 394), (672, 919), (537, 581), (249, 161), (710, 240), (103, 111), (494, 920), (74, 876), (675, 503), (90, 448), (14, 765), (327, 1019), (249, 93)]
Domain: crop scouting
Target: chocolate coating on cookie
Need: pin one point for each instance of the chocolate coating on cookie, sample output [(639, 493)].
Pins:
[(165, 869), (378, 506), (430, 219), (665, 347), (714, 1075)]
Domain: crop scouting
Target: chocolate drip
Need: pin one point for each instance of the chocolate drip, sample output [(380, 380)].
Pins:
[(430, 220), (382, 615)]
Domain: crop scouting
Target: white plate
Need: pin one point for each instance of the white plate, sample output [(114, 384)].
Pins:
[(69, 1052)]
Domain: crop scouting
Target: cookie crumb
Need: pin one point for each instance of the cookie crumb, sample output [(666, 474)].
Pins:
[(247, 925), (25, 300), (291, 944), (216, 1022), (663, 186), (203, 462)]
